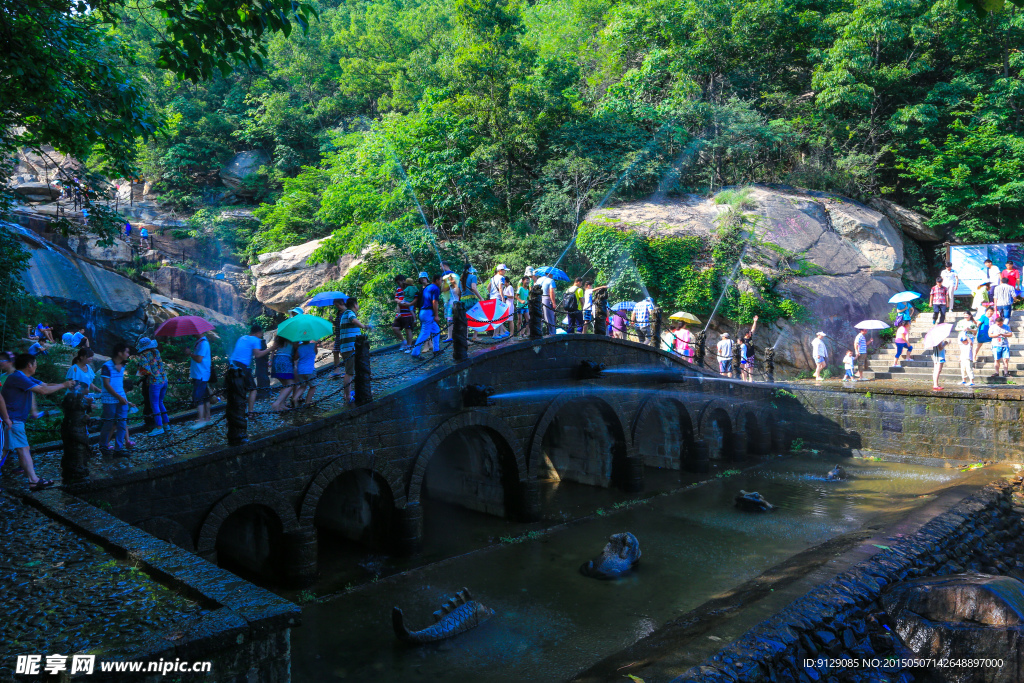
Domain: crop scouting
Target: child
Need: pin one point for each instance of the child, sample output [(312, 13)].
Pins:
[(938, 360), (848, 364)]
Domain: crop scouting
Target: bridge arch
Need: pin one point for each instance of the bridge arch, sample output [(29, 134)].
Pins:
[(256, 531), (717, 429), (663, 433), (756, 429), (355, 497), (576, 425), (479, 464)]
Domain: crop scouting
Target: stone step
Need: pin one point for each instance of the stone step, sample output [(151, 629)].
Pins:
[(945, 379)]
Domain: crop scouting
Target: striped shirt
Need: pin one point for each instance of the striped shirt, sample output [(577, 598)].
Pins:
[(861, 343), (347, 332), (404, 309)]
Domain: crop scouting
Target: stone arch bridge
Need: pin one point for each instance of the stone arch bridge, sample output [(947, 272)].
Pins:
[(361, 474)]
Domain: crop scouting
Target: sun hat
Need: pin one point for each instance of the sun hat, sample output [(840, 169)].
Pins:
[(423, 274), (500, 266), (725, 335), (146, 343), (820, 334), (297, 310), (528, 272), (471, 269)]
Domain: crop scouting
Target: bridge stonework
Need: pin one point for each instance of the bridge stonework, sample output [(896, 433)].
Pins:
[(362, 473)]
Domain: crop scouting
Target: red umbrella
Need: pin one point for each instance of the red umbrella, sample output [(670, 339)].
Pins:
[(183, 325), (488, 314)]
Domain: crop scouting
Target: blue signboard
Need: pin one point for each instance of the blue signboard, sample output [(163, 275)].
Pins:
[(969, 262)]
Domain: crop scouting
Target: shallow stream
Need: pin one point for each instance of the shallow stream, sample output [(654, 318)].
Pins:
[(551, 622)]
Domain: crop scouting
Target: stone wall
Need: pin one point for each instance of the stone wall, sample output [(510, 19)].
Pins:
[(844, 618), (910, 422)]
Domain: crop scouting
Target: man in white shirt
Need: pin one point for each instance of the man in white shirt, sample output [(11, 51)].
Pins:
[(992, 273), (820, 353), (950, 280), (547, 287), (724, 349), (496, 287)]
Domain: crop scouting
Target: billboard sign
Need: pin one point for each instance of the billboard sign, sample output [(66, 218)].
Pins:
[(969, 262)]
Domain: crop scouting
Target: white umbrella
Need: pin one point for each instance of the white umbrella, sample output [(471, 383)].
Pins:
[(872, 325)]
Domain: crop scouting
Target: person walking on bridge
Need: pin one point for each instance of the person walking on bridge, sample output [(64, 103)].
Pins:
[(115, 401), (17, 393), (860, 348), (496, 290), (430, 319), (820, 353), (1003, 296), (724, 349), (966, 341)]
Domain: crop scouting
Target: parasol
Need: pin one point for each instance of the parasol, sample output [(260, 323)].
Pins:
[(488, 314), (903, 297), (872, 325), (326, 298), (685, 317), (182, 326), (935, 335), (553, 273), (305, 327)]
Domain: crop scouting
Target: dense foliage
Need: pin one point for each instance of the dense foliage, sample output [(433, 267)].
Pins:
[(485, 130)]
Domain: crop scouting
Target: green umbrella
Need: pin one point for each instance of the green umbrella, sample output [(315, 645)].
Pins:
[(305, 327)]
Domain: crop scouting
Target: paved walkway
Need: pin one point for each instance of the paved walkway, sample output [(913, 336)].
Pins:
[(63, 594), (391, 369)]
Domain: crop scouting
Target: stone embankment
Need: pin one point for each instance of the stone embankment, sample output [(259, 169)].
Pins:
[(844, 619)]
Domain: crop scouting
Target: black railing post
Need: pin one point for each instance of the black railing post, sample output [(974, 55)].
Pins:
[(656, 328), (362, 381), (536, 312), (701, 342), (460, 332), (601, 312)]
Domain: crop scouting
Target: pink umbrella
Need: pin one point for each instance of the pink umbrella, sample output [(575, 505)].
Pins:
[(488, 314), (183, 325), (936, 335)]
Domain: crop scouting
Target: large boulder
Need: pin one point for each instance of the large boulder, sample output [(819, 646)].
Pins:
[(241, 166), (190, 285), (913, 224), (964, 616), (284, 278), (850, 259), (110, 306), (34, 190)]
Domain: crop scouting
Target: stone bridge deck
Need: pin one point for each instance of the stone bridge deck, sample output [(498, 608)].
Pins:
[(361, 473)]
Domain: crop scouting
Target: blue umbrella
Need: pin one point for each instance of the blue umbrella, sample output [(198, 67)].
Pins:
[(553, 273), (624, 306), (326, 298), (904, 297)]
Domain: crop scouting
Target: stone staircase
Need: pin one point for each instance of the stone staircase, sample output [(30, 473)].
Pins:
[(918, 367)]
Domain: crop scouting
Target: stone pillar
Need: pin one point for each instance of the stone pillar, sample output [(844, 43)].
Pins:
[(409, 529), (740, 443), (769, 364), (74, 465), (700, 460), (300, 554), (780, 436), (699, 344), (536, 312), (460, 332), (531, 505), (633, 477), (656, 328), (601, 312), (363, 378), (237, 405)]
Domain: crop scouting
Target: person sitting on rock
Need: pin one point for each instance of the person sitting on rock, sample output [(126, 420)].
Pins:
[(44, 332)]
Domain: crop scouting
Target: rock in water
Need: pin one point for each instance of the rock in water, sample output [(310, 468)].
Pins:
[(461, 613), (976, 616), (836, 473), (752, 501), (619, 557)]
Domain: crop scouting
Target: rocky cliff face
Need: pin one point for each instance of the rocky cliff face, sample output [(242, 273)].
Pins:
[(284, 278), (190, 285), (854, 260), (110, 306)]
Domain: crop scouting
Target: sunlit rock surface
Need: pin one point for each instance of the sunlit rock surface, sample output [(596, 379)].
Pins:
[(284, 278), (849, 259)]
